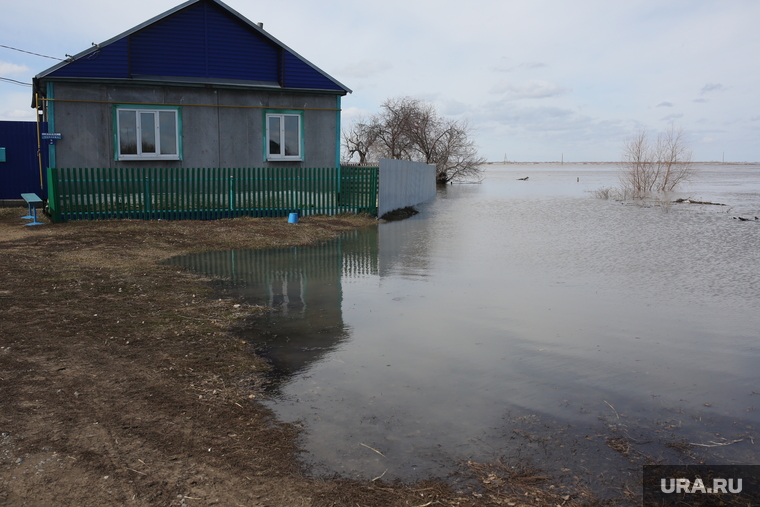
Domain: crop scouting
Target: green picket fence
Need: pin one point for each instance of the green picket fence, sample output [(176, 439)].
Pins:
[(208, 193)]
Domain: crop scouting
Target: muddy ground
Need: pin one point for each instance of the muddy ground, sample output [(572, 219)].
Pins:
[(121, 383)]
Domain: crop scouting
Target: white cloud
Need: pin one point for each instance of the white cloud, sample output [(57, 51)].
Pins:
[(597, 66), (534, 118), (12, 69), (365, 69), (522, 66), (711, 87), (529, 90), (17, 114), (454, 107), (351, 114), (16, 103)]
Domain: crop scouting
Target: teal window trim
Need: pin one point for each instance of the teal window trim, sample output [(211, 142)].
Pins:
[(145, 107), (337, 133), (265, 137), (50, 105)]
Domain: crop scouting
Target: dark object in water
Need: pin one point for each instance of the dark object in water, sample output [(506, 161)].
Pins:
[(523, 179), (690, 201), (399, 214)]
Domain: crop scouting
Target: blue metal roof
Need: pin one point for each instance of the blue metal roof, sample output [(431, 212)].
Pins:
[(199, 41)]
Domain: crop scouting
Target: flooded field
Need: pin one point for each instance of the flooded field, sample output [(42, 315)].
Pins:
[(520, 319)]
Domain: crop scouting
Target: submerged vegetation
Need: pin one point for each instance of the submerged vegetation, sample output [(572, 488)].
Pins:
[(651, 169), (655, 166)]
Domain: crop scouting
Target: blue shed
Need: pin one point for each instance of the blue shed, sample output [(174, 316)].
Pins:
[(197, 86), (21, 170)]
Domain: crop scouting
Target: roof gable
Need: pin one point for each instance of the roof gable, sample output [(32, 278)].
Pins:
[(201, 40)]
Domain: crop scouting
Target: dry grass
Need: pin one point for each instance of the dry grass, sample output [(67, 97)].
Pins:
[(520, 485)]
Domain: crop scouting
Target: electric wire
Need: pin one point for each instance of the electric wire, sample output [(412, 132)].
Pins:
[(13, 81), (20, 83), (29, 52)]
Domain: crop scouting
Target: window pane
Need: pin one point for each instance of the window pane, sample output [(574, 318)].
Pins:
[(167, 128), (148, 132), (128, 132), (274, 135), (292, 136)]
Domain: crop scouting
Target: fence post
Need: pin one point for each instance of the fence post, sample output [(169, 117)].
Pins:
[(54, 205), (147, 196), (373, 192), (232, 193), (340, 185)]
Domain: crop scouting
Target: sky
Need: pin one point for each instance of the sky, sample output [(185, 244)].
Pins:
[(537, 80)]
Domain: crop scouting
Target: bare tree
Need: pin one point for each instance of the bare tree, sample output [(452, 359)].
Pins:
[(635, 168), (456, 155), (359, 139), (410, 129), (674, 159), (394, 124), (649, 167)]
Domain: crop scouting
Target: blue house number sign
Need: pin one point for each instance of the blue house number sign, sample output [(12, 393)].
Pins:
[(50, 136)]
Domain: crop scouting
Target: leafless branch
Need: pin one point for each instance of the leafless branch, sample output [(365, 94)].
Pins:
[(410, 129), (655, 166)]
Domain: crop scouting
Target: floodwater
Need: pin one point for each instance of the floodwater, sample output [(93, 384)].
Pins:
[(524, 319)]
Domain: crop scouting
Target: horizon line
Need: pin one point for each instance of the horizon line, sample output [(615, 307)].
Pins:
[(716, 162)]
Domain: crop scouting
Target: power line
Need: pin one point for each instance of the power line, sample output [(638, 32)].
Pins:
[(29, 52), (13, 81)]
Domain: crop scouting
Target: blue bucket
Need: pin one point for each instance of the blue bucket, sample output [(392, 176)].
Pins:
[(293, 218)]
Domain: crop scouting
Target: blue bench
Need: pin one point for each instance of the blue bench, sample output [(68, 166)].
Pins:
[(32, 200)]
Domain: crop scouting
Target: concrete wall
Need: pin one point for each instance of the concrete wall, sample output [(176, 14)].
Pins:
[(404, 184), (220, 127)]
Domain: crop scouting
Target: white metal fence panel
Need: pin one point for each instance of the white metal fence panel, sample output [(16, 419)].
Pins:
[(404, 184)]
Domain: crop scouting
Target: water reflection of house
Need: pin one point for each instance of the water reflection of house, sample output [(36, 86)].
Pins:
[(404, 246), (304, 287)]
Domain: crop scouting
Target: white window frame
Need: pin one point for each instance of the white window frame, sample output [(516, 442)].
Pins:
[(275, 157), (155, 112)]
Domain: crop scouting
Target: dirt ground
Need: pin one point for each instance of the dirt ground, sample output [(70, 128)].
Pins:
[(122, 385)]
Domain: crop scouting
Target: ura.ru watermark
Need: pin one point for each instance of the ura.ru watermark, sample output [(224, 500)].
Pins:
[(702, 485), (716, 486)]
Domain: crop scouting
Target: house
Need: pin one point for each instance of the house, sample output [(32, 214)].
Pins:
[(197, 86)]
